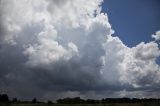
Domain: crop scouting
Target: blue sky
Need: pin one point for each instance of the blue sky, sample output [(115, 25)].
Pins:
[(134, 21)]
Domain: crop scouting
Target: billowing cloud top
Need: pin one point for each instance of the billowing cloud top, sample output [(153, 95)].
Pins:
[(157, 35), (58, 48)]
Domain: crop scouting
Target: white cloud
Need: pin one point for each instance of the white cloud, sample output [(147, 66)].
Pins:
[(134, 66), (47, 50), (157, 35), (139, 66)]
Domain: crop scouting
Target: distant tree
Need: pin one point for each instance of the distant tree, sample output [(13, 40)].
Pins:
[(91, 101), (76, 100), (14, 100), (4, 98), (49, 102), (34, 100)]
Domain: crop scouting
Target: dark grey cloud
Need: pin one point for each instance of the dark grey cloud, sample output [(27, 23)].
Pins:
[(2, 29)]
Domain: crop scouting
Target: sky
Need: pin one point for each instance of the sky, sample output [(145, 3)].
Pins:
[(95, 49), (134, 21)]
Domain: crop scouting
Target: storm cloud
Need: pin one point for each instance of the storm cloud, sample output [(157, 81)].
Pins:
[(57, 48)]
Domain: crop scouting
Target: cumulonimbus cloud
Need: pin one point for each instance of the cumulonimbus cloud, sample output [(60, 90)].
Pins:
[(66, 48)]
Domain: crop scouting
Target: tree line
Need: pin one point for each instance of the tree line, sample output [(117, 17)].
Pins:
[(78, 100), (4, 98)]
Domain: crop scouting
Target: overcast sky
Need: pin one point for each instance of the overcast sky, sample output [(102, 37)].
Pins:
[(53, 49)]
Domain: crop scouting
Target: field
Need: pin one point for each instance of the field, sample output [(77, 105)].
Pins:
[(111, 104)]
